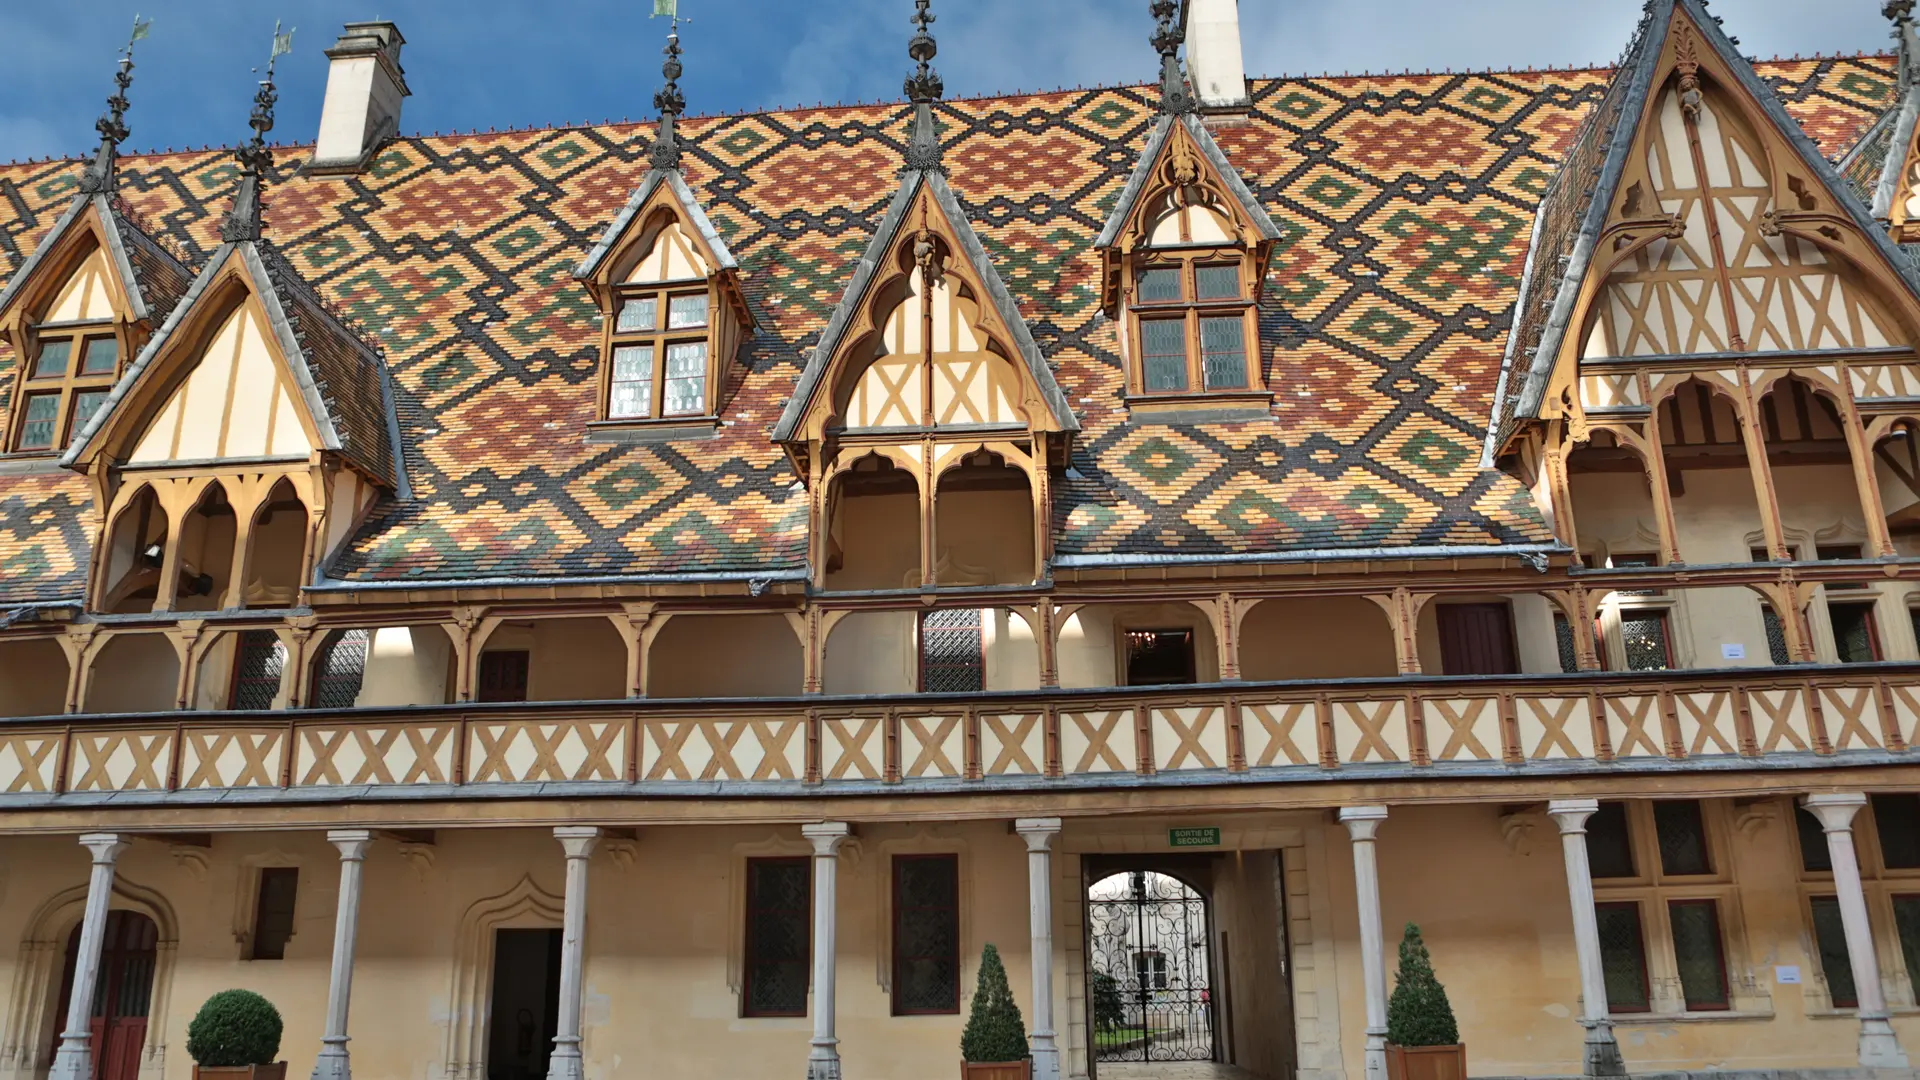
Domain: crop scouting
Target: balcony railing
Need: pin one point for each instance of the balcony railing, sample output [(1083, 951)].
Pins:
[(1269, 732)]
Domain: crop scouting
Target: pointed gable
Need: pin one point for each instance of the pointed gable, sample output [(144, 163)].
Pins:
[(1692, 216), (141, 274)]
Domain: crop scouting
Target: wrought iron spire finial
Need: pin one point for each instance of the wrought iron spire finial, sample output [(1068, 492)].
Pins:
[(243, 221), (112, 125), (923, 88), (671, 103), (1167, 38)]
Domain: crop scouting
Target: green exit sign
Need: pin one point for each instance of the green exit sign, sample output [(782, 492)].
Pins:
[(1208, 837)]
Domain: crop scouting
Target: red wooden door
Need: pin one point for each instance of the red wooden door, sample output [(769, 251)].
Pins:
[(1476, 639), (121, 995)]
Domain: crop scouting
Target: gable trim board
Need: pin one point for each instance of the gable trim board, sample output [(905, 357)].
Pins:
[(616, 230), (1519, 394), (868, 269), (1150, 158), (137, 307)]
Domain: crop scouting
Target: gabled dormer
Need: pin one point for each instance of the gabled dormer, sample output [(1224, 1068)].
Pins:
[(668, 290), (1184, 256), (246, 439), (926, 380)]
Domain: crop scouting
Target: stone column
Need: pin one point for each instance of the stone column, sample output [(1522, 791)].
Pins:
[(579, 842), (1039, 834), (1603, 1052), (1362, 823), (1879, 1049), (823, 1054), (74, 1060), (333, 1063)]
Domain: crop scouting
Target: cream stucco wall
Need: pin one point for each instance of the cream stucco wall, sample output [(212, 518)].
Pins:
[(33, 677), (406, 665), (725, 656), (134, 673), (568, 659), (1090, 653), (1320, 637)]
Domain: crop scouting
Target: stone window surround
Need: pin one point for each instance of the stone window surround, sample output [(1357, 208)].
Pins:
[(1881, 885)]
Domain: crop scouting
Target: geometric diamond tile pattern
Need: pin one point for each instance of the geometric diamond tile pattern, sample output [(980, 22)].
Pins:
[(1405, 204)]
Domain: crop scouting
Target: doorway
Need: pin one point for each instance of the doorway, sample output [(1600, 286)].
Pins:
[(525, 1008), (123, 993), (1150, 969)]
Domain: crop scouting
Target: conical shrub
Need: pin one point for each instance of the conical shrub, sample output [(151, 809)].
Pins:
[(995, 1031), (1419, 1014)]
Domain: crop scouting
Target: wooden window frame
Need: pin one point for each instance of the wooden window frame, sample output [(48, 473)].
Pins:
[(67, 386), (661, 338), (747, 950), (1881, 886), (894, 956), (1190, 310), (501, 657), (1872, 606)]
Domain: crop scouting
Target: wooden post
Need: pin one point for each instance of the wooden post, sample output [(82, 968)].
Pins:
[(1748, 415), (1860, 456)]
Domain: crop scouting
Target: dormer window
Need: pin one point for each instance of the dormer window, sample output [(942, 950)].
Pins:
[(1195, 320), (74, 357), (660, 353)]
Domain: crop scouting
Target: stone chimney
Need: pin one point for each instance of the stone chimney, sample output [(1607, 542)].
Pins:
[(364, 89), (1214, 62)]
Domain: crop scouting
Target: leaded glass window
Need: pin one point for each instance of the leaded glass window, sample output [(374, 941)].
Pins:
[(1217, 282), (661, 354), (1163, 353), (1815, 858), (1623, 956), (1906, 926), (1160, 286), (926, 934), (632, 396), (337, 671), (55, 354), (1194, 324), (1854, 641), (1683, 838), (686, 390), (1644, 636), (1563, 641), (1830, 939), (1610, 843), (42, 414), (72, 371), (102, 356), (1776, 636), (686, 311), (778, 925), (1896, 819), (1223, 353), (1697, 953), (638, 314), (259, 660), (952, 652)]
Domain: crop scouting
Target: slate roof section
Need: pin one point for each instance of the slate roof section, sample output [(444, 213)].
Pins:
[(1403, 202), (1559, 256)]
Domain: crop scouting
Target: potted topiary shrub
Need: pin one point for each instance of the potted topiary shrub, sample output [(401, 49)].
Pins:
[(994, 1044), (1423, 1040), (236, 1036)]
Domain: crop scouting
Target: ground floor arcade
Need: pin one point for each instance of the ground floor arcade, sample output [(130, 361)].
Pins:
[(1770, 931)]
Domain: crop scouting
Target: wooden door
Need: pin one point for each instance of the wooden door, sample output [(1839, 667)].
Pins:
[(121, 995), (503, 675), (1476, 639)]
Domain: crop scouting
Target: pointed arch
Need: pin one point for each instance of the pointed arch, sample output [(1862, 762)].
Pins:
[(134, 554), (277, 555), (469, 1000), (874, 527), (205, 549)]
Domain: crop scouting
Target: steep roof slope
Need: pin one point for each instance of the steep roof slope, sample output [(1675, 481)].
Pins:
[(1405, 202)]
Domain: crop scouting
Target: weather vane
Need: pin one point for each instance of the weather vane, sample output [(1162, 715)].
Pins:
[(671, 9), (282, 45), (140, 30)]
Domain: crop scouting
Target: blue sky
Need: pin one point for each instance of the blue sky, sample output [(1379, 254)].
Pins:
[(492, 63)]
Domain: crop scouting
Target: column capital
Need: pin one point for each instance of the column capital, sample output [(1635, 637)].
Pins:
[(826, 836), (1835, 811), (351, 842), (578, 840), (106, 846), (1362, 822), (1038, 832), (1572, 814)]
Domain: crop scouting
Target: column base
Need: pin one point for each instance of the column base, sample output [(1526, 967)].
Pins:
[(1603, 1052), (563, 1066), (1879, 1049), (1046, 1062), (823, 1069), (333, 1063), (1376, 1057), (73, 1061)]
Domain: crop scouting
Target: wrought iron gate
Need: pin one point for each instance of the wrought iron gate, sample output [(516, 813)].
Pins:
[(1150, 975)]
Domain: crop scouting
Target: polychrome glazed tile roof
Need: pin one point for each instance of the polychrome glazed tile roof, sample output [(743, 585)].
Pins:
[(1405, 201)]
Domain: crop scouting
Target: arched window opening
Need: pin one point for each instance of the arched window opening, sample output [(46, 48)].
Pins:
[(1808, 454), (1316, 637), (1613, 505), (1150, 969), (873, 539), (384, 667), (1709, 476), (582, 659), (207, 537), (1896, 469), (276, 550), (245, 669), (33, 677), (133, 673), (136, 551), (983, 523)]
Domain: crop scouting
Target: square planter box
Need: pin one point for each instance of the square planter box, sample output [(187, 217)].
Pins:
[(1001, 1070), (1427, 1062), (275, 1071)]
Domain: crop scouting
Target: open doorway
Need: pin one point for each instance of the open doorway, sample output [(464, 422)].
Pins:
[(1150, 969), (122, 993), (526, 1003)]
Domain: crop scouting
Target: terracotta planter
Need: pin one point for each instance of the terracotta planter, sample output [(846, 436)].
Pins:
[(1427, 1062), (997, 1070), (275, 1071)]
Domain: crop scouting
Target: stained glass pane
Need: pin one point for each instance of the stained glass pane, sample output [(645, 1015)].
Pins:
[(778, 896), (687, 310), (926, 934), (1563, 639), (101, 356), (257, 667), (637, 314), (1683, 838), (1163, 353), (1830, 937), (55, 353), (1696, 953), (1223, 353), (1814, 854), (1776, 636), (85, 404), (952, 652), (36, 433), (1218, 282), (1896, 818), (1623, 956), (337, 672), (632, 394), (1906, 924), (1853, 633), (1159, 286), (1609, 847), (1644, 633), (686, 389)]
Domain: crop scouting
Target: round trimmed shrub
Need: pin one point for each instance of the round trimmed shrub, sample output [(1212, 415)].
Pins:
[(234, 1028)]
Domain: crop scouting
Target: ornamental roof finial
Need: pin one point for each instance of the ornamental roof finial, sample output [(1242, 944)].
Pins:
[(1900, 13), (112, 125), (669, 100), (923, 89), (243, 221), (1175, 98)]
